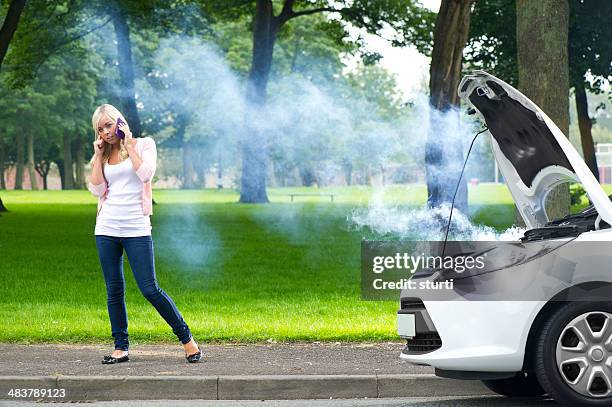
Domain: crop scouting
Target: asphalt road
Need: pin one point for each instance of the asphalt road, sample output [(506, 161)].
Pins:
[(489, 401)]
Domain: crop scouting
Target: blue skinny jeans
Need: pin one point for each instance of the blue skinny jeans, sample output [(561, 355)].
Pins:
[(140, 255)]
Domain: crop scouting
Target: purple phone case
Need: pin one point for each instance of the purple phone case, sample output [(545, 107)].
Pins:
[(120, 134)]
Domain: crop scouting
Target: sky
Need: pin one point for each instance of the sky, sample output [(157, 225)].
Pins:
[(410, 67)]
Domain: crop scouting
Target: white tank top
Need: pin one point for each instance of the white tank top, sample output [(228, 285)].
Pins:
[(122, 214)]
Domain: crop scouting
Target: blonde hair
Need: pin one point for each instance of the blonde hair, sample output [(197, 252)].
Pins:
[(113, 113)]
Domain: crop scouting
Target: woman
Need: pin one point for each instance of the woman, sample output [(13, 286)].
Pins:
[(122, 169)]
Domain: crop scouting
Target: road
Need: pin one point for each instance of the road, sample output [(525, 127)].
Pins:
[(488, 401)]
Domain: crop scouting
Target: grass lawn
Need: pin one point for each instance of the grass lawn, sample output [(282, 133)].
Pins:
[(286, 271)]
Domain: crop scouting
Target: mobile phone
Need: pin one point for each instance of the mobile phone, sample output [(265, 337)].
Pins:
[(120, 134)]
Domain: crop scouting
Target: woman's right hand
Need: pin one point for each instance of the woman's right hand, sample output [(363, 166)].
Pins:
[(98, 147)]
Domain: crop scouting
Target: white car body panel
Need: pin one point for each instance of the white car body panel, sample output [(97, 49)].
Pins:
[(488, 336)]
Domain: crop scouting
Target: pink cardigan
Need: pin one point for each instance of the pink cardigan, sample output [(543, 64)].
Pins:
[(145, 147)]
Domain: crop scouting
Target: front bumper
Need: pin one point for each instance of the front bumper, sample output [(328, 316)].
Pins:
[(422, 337), (487, 336)]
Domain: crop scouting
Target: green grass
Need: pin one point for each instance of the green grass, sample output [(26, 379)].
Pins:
[(286, 271)]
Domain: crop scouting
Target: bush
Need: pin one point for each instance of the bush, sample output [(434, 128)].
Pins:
[(576, 194)]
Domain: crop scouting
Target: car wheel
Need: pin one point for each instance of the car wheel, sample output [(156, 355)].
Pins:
[(574, 354), (520, 385)]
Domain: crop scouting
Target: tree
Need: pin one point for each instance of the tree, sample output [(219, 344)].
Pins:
[(197, 101), (9, 26), (443, 161), (312, 48), (492, 42), (142, 28), (24, 114), (161, 16), (52, 109), (68, 24), (542, 43), (590, 52), (376, 106), (492, 46), (140, 14), (403, 16), (307, 66), (127, 92), (49, 29), (2, 163), (46, 154), (74, 20)]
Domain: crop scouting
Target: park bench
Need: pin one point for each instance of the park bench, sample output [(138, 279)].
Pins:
[(331, 196)]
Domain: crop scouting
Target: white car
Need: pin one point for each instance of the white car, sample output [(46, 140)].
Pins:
[(558, 341)]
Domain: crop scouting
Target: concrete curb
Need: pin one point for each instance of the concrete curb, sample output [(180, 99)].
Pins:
[(286, 387)]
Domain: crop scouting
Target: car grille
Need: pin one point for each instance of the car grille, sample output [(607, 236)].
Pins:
[(423, 343), (412, 304)]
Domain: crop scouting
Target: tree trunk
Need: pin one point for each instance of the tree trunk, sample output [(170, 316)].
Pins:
[(60, 167), (271, 181), (220, 171), (188, 171), (19, 163), (127, 93), (30, 162), (80, 164), (585, 124), (253, 181), (11, 20), (307, 176), (542, 35), (68, 181), (201, 168), (187, 174), (278, 171), (42, 169), (348, 169), (443, 151), (2, 164)]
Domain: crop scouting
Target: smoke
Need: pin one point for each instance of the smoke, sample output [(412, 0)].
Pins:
[(455, 131), (187, 240), (193, 94), (424, 224), (314, 129)]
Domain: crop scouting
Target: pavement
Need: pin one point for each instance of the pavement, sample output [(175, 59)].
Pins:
[(269, 371)]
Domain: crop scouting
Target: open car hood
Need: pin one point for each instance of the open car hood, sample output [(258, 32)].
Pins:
[(533, 155)]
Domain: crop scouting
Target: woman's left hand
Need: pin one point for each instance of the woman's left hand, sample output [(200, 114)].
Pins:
[(128, 141)]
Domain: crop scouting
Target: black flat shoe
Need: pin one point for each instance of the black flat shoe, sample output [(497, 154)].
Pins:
[(195, 357), (109, 360)]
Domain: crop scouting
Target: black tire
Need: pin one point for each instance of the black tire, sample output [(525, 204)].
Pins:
[(520, 385), (546, 368)]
